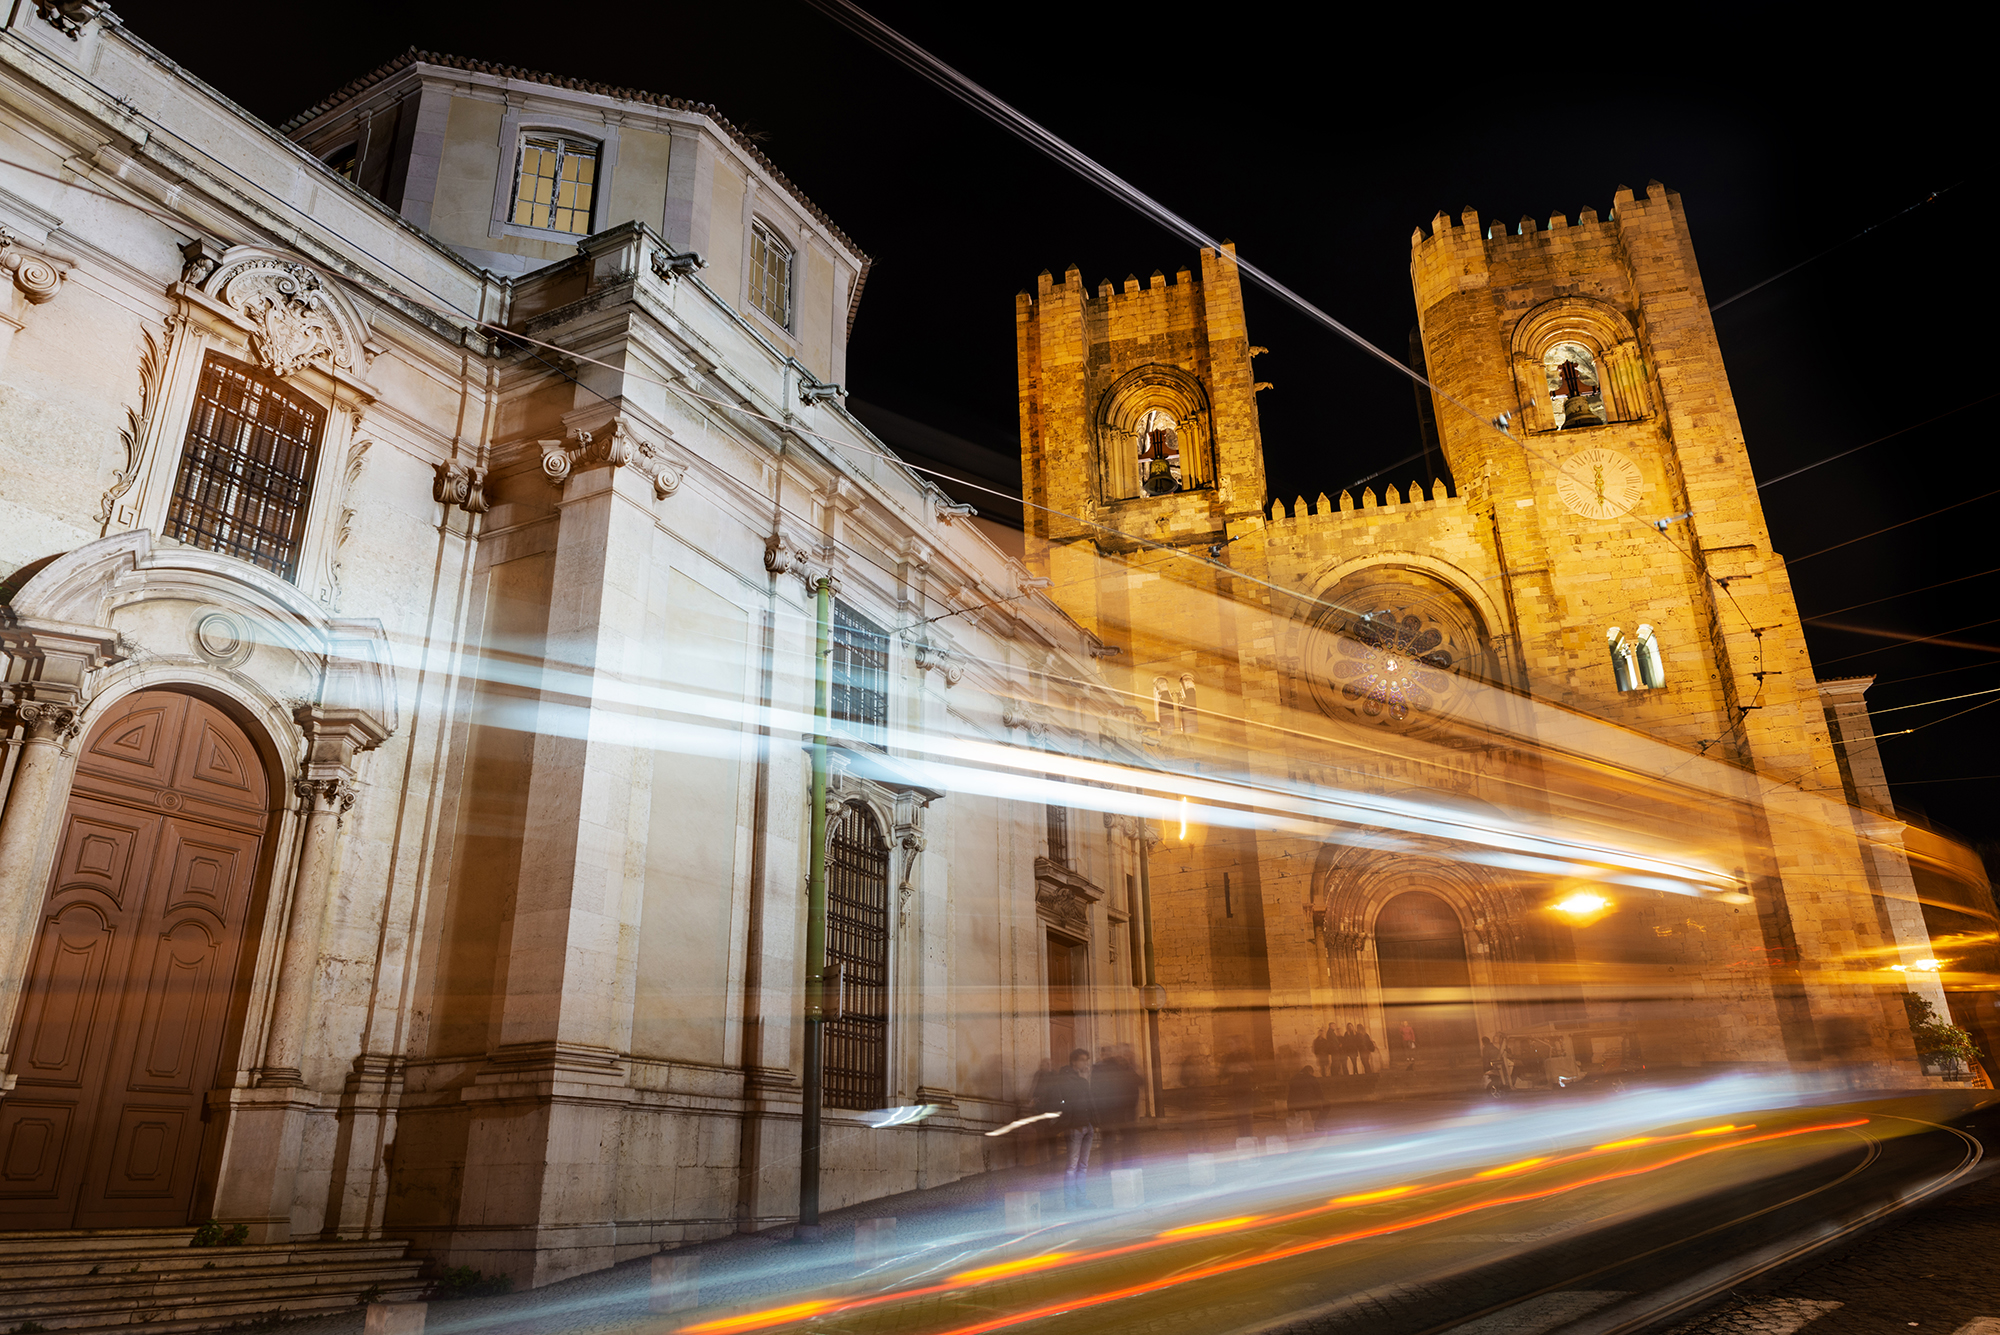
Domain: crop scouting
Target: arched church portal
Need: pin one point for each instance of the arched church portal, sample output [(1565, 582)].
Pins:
[(1420, 954), (129, 993)]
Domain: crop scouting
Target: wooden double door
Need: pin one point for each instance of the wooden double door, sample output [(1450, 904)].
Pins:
[(140, 947)]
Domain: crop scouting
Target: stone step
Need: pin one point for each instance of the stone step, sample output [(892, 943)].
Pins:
[(180, 1288), (15, 1292), (16, 1245), (16, 1271)]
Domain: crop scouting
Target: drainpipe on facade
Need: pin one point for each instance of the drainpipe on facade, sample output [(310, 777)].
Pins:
[(808, 1226), (1147, 838)]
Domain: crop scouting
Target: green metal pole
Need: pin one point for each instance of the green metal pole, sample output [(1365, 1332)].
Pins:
[(808, 1229)]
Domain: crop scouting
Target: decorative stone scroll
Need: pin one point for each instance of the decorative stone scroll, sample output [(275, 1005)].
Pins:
[(69, 17), (931, 657), (616, 446), (461, 485), (37, 274), (294, 318)]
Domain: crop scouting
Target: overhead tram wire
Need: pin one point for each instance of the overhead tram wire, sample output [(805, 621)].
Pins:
[(1907, 593), (1932, 197), (1972, 403), (1793, 561)]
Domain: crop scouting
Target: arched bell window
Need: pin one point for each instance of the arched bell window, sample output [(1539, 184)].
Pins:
[(1159, 441), (1574, 390)]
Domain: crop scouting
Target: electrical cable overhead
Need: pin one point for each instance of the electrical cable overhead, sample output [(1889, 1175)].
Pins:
[(1715, 306), (1793, 561), (1886, 598), (1972, 403)]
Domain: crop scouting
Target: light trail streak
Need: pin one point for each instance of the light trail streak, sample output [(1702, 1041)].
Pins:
[(1186, 1233)]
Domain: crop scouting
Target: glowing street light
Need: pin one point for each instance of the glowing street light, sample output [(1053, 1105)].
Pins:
[(1582, 904)]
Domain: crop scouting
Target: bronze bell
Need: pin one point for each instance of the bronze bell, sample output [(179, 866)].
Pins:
[(1577, 413)]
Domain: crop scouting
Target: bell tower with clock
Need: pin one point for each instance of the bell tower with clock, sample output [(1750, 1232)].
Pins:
[(1619, 494)]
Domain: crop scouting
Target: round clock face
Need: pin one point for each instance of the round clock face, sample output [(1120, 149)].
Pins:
[(1598, 483)]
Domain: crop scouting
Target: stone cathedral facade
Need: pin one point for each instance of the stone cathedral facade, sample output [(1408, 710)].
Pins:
[(1589, 633), (406, 521)]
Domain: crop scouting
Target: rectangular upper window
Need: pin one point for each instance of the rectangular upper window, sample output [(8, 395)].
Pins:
[(246, 467), (770, 275), (554, 179), (860, 677)]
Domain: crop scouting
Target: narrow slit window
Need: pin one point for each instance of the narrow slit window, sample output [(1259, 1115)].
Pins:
[(554, 182), (1646, 657), (246, 467), (770, 275), (1166, 712), (1190, 716)]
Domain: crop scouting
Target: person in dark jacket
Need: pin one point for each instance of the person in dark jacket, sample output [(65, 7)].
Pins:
[(1072, 1096), (1367, 1046), (1323, 1050)]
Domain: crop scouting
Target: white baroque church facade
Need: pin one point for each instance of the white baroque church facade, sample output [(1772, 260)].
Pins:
[(406, 527)]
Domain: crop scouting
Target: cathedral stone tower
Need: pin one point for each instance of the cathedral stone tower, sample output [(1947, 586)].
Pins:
[(1604, 560)]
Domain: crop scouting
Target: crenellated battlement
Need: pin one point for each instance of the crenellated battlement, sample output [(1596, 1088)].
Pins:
[(1391, 500)]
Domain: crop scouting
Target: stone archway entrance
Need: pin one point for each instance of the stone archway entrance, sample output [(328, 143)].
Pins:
[(1420, 951), (128, 995)]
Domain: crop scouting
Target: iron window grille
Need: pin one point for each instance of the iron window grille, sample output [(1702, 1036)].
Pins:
[(770, 275), (246, 467), (856, 1033), (554, 180), (860, 677), (1058, 835)]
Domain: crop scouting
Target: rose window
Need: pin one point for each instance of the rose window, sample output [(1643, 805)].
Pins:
[(1400, 664), (1391, 664)]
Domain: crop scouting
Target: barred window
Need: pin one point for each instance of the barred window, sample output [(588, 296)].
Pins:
[(770, 275), (860, 677), (554, 179), (246, 467), (1058, 834), (856, 1034)]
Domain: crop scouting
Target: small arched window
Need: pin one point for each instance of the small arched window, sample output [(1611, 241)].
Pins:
[(1166, 710), (1190, 716), (1574, 391), (1636, 664)]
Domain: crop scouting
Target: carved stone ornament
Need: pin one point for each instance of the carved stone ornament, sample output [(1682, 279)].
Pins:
[(616, 446), (293, 315), (336, 795), (913, 844), (931, 657), (50, 721), (785, 552), (152, 362), (38, 275), (69, 17), (462, 485)]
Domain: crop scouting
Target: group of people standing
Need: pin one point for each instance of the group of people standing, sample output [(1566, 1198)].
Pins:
[(1351, 1049), (1097, 1105)]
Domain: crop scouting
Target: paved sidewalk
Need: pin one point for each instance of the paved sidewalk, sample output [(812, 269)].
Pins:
[(1932, 1271)]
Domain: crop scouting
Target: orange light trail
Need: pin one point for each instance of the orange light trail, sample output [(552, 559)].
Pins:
[(797, 1311), (1005, 1268), (1506, 1169)]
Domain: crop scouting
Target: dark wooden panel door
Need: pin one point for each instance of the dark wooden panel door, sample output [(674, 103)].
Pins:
[(122, 1024)]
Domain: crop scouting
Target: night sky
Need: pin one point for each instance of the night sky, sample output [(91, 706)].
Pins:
[(1317, 144)]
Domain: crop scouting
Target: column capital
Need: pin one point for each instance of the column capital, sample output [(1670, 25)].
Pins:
[(330, 795)]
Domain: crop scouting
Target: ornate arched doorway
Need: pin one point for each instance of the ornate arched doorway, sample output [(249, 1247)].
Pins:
[(141, 945), (1420, 953)]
